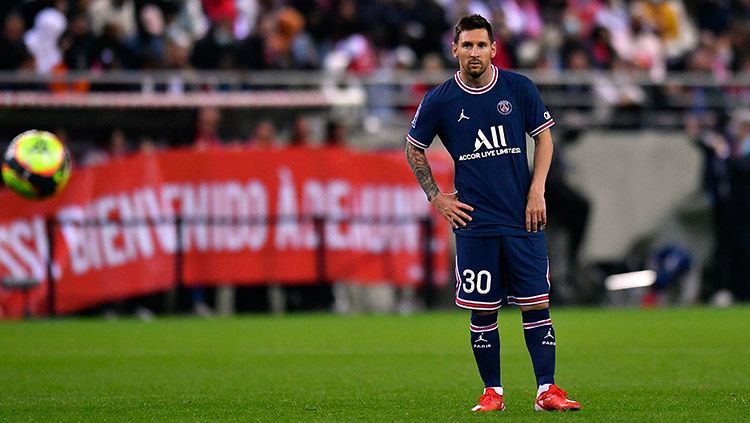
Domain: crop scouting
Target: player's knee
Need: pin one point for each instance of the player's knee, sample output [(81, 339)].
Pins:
[(481, 319), (540, 306)]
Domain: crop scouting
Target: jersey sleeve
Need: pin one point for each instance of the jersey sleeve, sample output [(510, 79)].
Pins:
[(424, 126), (537, 116)]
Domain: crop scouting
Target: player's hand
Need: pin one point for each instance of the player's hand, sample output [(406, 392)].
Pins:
[(536, 211), (451, 209)]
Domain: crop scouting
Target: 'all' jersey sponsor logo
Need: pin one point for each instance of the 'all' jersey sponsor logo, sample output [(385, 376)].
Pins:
[(483, 147)]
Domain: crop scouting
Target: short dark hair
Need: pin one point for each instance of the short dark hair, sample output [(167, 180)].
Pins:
[(469, 22)]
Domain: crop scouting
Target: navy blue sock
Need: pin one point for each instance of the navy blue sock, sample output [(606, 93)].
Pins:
[(540, 341), (485, 342)]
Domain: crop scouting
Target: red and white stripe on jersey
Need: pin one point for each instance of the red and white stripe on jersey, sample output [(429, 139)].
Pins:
[(542, 127), (532, 325), (480, 90), (536, 299), (477, 305), (523, 301), (475, 328), (415, 142)]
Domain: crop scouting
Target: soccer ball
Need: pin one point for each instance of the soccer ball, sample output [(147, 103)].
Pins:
[(36, 165)]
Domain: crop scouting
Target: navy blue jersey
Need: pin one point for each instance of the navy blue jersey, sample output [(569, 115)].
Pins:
[(484, 130)]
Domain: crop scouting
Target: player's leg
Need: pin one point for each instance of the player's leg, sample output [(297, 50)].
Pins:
[(485, 344), (478, 289), (540, 341), (529, 289)]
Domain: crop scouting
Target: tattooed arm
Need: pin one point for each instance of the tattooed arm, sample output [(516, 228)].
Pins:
[(447, 205), (421, 168)]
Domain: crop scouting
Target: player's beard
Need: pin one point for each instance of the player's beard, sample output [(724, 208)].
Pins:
[(476, 74)]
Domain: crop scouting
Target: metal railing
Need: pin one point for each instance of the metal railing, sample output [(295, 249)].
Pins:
[(567, 94)]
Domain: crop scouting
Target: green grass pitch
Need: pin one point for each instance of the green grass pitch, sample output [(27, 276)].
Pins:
[(622, 365)]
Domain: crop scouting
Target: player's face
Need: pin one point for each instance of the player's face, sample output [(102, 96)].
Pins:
[(474, 51)]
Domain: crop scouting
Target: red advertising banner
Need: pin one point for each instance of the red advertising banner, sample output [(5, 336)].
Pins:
[(246, 217)]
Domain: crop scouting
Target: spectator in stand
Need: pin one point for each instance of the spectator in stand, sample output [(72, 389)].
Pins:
[(455, 9), (568, 211), (110, 51), (147, 45), (264, 135), (647, 51), (419, 25), (177, 58), (712, 15), (716, 151), (505, 56), (706, 98), (120, 13), (582, 13), (615, 18), (146, 145), (251, 51), (295, 43), (42, 39), (718, 54), (300, 136), (78, 43), (433, 71), (740, 93), (14, 55), (207, 128), (522, 17), (355, 53), (216, 50), (113, 146), (336, 134), (345, 20), (384, 97), (8, 8), (669, 21), (620, 98), (574, 41), (191, 21), (578, 60), (741, 135), (739, 173), (177, 52), (602, 51), (278, 43)]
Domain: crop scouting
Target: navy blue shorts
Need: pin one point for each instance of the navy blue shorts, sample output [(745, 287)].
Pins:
[(492, 269)]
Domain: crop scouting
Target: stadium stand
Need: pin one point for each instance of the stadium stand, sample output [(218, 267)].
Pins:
[(146, 69)]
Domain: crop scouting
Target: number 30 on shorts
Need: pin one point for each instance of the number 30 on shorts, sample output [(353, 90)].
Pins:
[(481, 281)]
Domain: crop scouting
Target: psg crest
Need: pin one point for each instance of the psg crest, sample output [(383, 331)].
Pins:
[(504, 107)]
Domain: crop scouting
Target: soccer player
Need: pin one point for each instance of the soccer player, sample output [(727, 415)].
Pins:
[(498, 213)]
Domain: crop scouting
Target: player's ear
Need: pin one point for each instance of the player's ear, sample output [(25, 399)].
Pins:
[(494, 49), (454, 49)]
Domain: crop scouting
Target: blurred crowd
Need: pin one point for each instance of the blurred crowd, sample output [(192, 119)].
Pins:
[(208, 133), (363, 36), (630, 38)]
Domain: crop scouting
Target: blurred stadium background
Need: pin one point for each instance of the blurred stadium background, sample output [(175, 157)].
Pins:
[(651, 100)]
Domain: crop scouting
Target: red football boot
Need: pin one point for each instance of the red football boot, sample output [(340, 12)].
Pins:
[(489, 401), (555, 399)]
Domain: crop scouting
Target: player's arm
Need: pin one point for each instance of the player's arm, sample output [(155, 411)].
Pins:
[(536, 208), (447, 205)]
